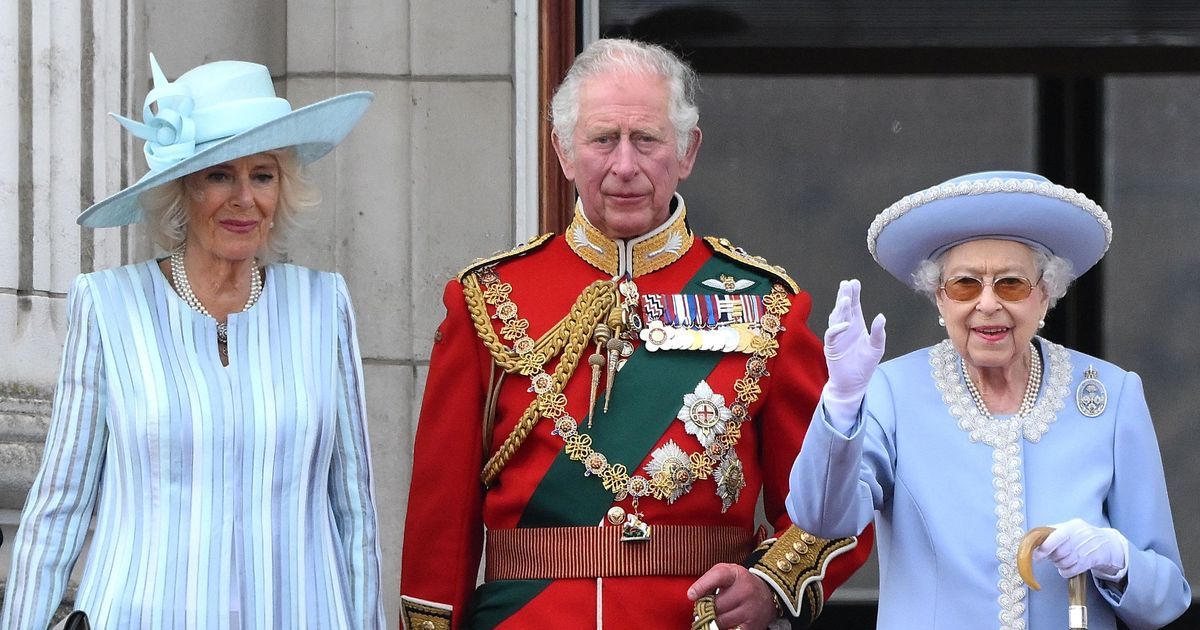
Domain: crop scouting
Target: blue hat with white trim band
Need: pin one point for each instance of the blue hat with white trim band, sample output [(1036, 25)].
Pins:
[(1006, 205)]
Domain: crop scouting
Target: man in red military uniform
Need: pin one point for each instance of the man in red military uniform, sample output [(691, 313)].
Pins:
[(609, 403)]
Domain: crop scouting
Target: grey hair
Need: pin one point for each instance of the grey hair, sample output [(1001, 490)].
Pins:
[(607, 55), (1056, 274), (167, 214)]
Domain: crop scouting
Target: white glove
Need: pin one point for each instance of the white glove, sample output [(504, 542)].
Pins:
[(1076, 546), (851, 355)]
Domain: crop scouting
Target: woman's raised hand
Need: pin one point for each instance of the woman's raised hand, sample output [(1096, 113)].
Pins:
[(851, 353)]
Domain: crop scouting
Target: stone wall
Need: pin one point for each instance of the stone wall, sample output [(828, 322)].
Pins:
[(421, 187)]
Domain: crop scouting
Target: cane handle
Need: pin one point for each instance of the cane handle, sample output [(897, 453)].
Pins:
[(1032, 540), (1076, 586)]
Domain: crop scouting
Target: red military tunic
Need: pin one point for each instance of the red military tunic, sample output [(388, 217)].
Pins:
[(539, 486)]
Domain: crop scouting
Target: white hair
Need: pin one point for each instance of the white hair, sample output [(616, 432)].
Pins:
[(607, 55), (1056, 274), (167, 215)]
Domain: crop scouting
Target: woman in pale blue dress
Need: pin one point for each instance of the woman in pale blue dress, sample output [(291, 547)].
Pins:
[(958, 449), (210, 408)]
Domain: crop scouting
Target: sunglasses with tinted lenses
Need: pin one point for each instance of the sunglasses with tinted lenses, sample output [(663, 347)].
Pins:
[(1007, 288)]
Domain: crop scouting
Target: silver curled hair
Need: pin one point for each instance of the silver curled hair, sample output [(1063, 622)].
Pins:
[(606, 55), (167, 216), (1056, 273)]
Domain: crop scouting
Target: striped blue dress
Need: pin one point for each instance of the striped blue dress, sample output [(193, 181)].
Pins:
[(224, 497)]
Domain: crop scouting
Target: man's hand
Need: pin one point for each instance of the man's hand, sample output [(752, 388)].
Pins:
[(742, 600), (851, 355), (1076, 546)]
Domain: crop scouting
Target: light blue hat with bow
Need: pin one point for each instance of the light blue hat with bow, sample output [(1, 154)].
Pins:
[(215, 113), (1006, 205)]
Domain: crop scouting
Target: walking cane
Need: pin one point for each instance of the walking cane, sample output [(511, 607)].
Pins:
[(1076, 585)]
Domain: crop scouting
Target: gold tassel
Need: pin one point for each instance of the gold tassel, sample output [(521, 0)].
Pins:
[(601, 335), (614, 349), (614, 354)]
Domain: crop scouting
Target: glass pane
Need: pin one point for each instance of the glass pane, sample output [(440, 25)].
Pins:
[(1153, 147), (794, 169)]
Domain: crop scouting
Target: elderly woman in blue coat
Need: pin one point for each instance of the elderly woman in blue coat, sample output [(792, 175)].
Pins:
[(209, 409), (958, 449)]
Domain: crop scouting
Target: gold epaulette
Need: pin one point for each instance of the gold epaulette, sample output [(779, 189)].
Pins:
[(505, 255), (726, 249), (794, 564), (418, 614)]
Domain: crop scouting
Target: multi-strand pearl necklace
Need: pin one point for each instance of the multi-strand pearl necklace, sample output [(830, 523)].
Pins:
[(179, 274), (1031, 387)]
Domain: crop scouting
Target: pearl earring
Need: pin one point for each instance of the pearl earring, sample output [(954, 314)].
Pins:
[(942, 322), (1041, 323)]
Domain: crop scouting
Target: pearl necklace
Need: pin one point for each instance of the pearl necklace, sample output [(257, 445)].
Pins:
[(1031, 387), (179, 274)]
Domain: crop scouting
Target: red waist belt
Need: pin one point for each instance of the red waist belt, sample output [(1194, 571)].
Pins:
[(555, 553)]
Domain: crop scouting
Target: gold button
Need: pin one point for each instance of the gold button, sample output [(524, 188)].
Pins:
[(426, 625), (784, 565), (616, 515), (800, 547), (808, 538), (792, 557)]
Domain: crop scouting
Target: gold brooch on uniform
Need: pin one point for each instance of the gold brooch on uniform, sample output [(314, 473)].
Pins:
[(670, 471), (704, 414), (1091, 396), (730, 479)]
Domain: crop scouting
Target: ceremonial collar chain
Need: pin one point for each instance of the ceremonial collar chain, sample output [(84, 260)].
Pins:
[(179, 275), (1031, 386), (672, 471), (631, 257)]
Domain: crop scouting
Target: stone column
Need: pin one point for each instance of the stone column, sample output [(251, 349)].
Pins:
[(61, 65)]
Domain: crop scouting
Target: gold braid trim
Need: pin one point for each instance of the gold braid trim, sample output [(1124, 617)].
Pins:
[(794, 565), (419, 614), (726, 249), (519, 250), (528, 357)]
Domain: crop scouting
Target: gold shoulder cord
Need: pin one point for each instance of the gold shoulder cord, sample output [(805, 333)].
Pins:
[(528, 357)]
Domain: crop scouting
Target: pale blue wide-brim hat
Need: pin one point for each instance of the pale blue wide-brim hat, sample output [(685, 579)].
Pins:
[(215, 113), (1008, 205)]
